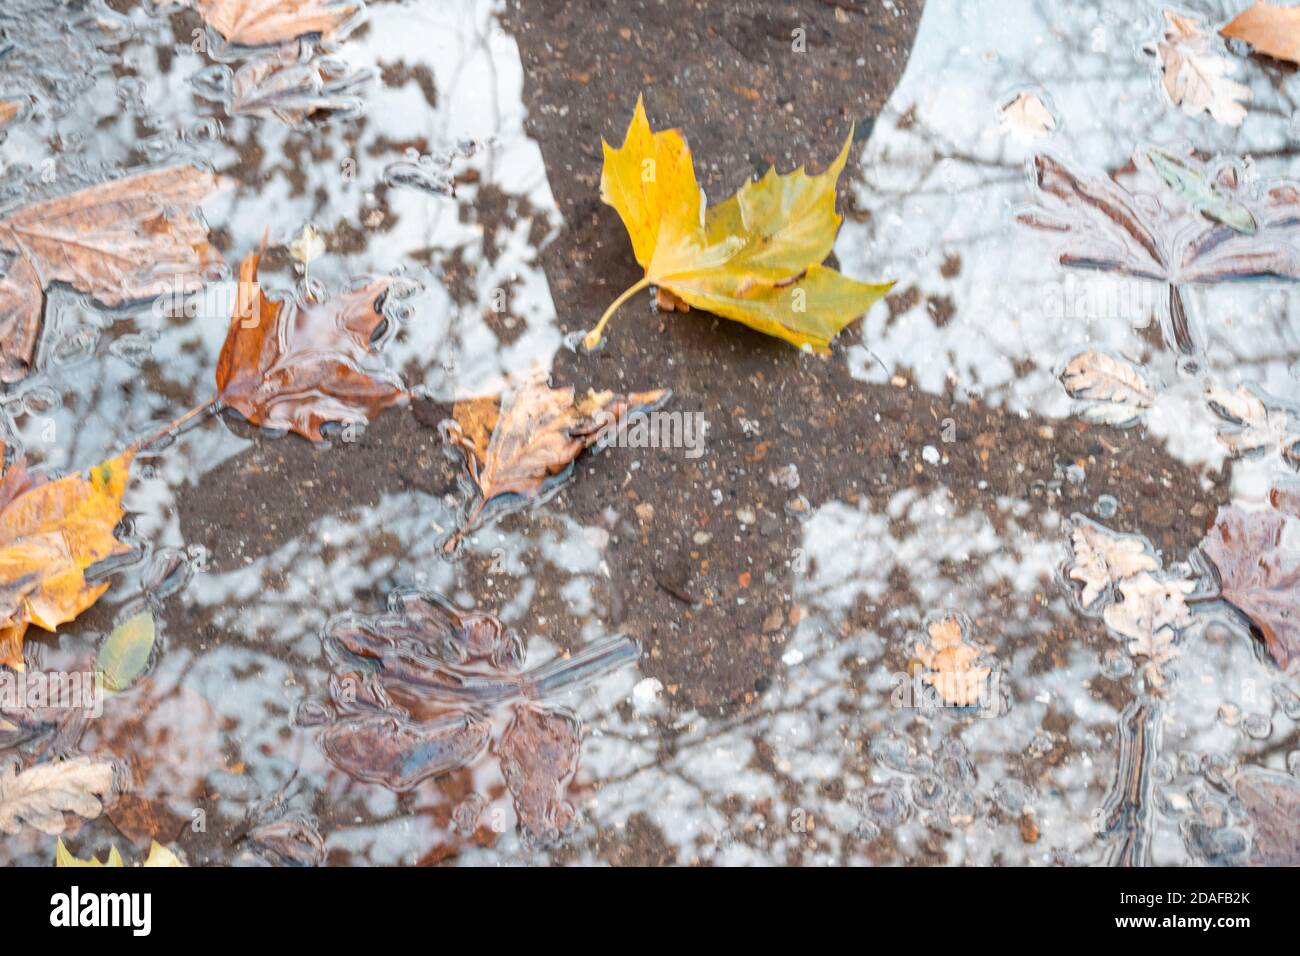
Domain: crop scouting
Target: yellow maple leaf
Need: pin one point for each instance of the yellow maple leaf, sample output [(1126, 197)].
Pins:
[(754, 258), (49, 535)]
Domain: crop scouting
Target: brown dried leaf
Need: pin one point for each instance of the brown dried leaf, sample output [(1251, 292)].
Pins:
[(1259, 574), (8, 110), (536, 434), (260, 22), (1149, 612), (40, 795), (1273, 31), (126, 239), (1272, 801), (294, 839), (1118, 389), (1194, 77), (539, 752), (951, 663), (284, 86), (1258, 427), (400, 753), (1026, 118), (286, 365), (1103, 558)]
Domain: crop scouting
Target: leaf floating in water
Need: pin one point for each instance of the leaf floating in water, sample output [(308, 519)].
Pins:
[(1103, 558), (40, 795), (128, 239), (1257, 427), (49, 535), (1194, 77), (399, 753), (1026, 118), (1272, 801), (539, 758), (951, 663), (261, 22), (1149, 612), (1117, 390), (125, 652), (8, 110), (301, 366), (520, 447), (1259, 574), (1272, 30)]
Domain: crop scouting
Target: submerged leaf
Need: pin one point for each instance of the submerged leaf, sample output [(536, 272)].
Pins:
[(539, 752), (1149, 612), (124, 654), (1272, 801), (1259, 574), (49, 535), (40, 795), (754, 258), (400, 753), (126, 239), (301, 366), (292, 90)]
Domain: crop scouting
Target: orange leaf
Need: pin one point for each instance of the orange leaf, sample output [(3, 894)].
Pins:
[(517, 445), (259, 22), (50, 534), (1273, 31), (286, 365)]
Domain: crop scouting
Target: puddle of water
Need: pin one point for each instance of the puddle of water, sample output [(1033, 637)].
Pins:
[(1068, 755)]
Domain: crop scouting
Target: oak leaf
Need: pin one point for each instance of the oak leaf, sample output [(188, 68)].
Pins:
[(519, 447), (123, 240), (40, 795), (951, 663), (1253, 426), (754, 258), (1103, 558), (1272, 30), (1116, 391), (1149, 612), (1259, 573), (299, 366), (50, 534), (261, 22), (1194, 77)]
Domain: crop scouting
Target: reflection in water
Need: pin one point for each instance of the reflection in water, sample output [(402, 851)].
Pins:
[(1068, 755)]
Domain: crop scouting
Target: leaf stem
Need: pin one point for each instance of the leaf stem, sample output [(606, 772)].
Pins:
[(592, 338), (176, 423)]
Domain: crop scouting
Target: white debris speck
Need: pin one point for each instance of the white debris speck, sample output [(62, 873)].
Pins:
[(792, 658), (930, 454), (646, 693)]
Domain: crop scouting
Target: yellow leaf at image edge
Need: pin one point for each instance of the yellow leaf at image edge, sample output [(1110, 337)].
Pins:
[(159, 856), (754, 258)]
